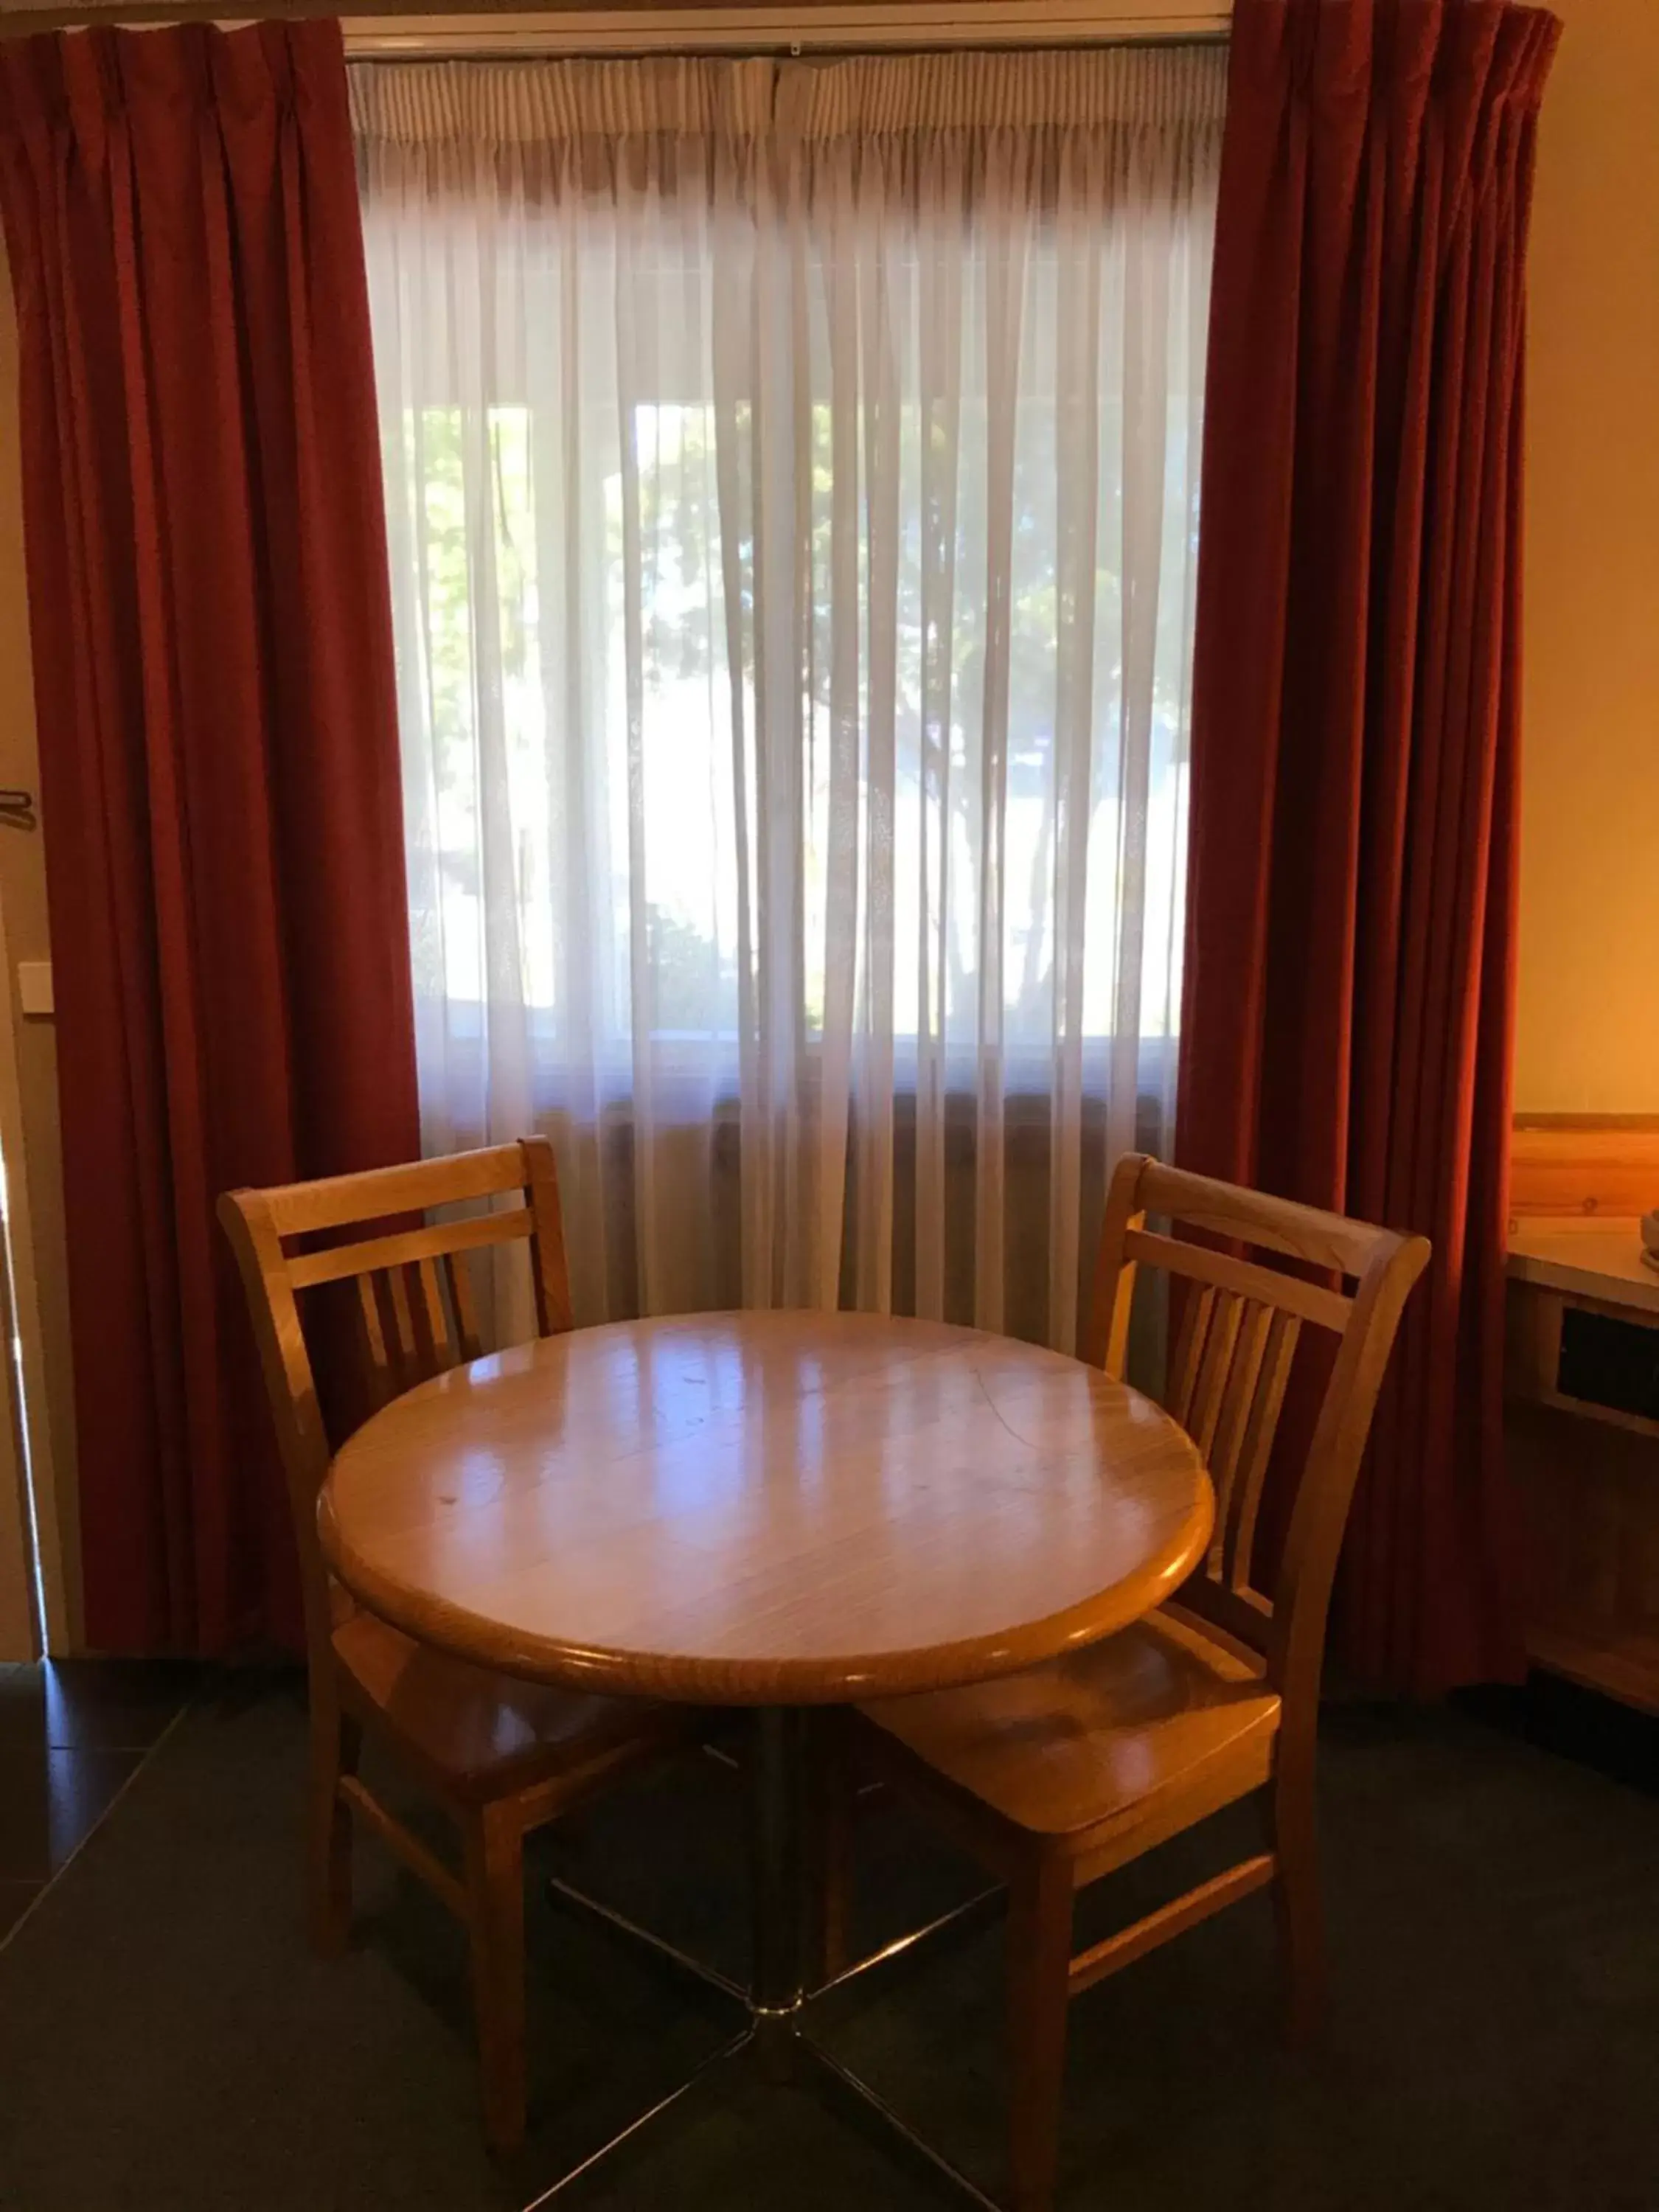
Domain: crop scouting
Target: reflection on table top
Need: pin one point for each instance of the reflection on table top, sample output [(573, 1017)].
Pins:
[(767, 1508)]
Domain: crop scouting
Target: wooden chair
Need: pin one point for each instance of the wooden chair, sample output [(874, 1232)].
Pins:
[(502, 1756), (1056, 1777)]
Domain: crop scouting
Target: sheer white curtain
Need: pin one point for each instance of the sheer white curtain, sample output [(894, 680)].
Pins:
[(792, 480)]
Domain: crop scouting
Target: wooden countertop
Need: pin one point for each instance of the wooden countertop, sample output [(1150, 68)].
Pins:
[(1597, 1258)]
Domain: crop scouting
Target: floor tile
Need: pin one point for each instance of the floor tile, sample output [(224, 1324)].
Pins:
[(108, 1704), (16, 1898), (22, 1707), (51, 1802), (114, 1704)]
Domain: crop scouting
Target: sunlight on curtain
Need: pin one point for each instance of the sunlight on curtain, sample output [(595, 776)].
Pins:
[(792, 479)]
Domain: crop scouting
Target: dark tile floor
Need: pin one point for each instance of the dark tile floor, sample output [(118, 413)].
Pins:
[(168, 2043), (72, 1735), (73, 1732)]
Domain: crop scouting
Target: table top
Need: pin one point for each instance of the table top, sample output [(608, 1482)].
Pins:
[(766, 1508)]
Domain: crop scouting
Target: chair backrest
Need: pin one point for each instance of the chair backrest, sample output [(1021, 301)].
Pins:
[(414, 1312), (1237, 1327)]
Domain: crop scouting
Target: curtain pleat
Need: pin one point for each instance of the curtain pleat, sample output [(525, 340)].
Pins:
[(479, 109), (791, 475), (215, 698), (1351, 931)]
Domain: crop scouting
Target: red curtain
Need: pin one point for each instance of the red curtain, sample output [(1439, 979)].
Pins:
[(214, 691), (1351, 923)]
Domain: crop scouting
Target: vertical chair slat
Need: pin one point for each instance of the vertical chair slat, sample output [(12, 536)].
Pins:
[(1267, 1403), (457, 1278), (381, 1381), (1226, 1447), (1190, 1350), (431, 1320), (551, 1277), (400, 1324), (1214, 1369)]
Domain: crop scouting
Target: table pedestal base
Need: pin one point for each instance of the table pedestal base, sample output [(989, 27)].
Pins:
[(805, 2066), (774, 2040)]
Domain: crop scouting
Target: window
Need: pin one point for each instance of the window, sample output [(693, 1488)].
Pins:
[(792, 483)]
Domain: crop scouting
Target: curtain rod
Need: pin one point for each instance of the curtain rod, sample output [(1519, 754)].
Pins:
[(829, 25), (387, 31)]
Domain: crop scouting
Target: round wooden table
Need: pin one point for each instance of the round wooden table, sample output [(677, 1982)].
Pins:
[(774, 1510)]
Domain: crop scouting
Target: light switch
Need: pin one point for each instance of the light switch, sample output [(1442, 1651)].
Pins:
[(34, 987)]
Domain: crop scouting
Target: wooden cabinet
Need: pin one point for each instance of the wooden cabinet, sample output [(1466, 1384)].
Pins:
[(1583, 1430)]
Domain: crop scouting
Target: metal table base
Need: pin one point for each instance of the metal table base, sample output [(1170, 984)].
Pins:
[(775, 2040)]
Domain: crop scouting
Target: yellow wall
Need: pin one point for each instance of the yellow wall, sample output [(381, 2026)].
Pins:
[(23, 906), (1588, 1030)]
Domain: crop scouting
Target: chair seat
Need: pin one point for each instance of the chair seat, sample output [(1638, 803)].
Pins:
[(1091, 1738), (482, 1734)]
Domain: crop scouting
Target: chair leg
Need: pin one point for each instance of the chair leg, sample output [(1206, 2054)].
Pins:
[(1297, 1901), (494, 1850), (1039, 1996), (336, 1743)]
